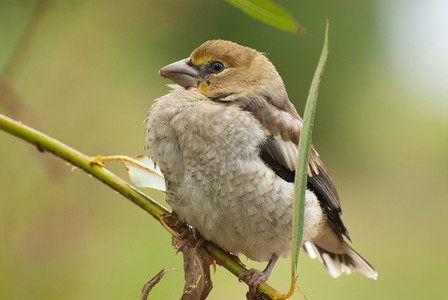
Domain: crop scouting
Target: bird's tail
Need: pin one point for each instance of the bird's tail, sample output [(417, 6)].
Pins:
[(337, 263)]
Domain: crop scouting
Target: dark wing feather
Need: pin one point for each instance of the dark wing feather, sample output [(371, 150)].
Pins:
[(319, 180)]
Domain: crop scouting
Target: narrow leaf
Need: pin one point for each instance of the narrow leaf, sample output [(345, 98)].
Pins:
[(302, 162), (270, 13)]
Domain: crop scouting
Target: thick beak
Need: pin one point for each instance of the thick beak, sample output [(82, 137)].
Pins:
[(181, 72)]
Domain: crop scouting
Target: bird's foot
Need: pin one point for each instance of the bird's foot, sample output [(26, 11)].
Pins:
[(190, 237), (256, 277)]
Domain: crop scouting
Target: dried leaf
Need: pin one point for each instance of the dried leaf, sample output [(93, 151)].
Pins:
[(198, 283), (150, 284)]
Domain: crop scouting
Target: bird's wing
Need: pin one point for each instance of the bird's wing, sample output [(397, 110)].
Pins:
[(281, 156), (283, 125)]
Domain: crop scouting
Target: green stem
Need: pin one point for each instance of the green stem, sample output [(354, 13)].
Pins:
[(45, 143)]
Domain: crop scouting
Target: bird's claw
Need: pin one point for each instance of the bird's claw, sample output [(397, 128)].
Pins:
[(190, 237), (256, 277)]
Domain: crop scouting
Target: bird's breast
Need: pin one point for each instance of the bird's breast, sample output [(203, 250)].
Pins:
[(216, 180)]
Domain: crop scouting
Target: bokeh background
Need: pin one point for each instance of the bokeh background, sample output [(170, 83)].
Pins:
[(86, 73)]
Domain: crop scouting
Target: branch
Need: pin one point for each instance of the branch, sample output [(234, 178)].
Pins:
[(44, 143)]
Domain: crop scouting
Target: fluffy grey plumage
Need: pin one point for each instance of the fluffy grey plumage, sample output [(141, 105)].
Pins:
[(216, 180)]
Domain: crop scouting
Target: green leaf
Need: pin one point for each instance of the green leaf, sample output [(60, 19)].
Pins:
[(270, 13), (147, 174), (302, 161)]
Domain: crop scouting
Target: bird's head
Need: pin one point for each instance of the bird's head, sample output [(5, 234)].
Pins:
[(224, 71)]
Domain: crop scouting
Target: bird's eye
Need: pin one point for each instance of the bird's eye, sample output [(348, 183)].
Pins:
[(217, 67)]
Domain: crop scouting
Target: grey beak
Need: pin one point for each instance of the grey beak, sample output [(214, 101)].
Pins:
[(181, 72)]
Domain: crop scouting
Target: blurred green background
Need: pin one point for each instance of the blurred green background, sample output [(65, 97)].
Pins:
[(87, 75)]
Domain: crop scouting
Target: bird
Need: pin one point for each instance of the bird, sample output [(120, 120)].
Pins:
[(225, 139)]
